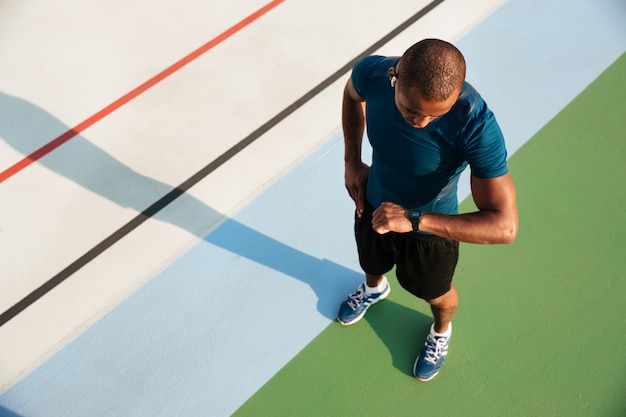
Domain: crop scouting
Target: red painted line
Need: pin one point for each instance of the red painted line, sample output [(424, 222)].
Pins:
[(49, 147)]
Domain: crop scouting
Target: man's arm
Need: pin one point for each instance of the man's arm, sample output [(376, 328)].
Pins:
[(495, 221), (353, 123)]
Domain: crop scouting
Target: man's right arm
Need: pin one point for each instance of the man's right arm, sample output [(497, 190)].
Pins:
[(353, 123)]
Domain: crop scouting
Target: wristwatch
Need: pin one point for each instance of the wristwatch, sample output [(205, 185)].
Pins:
[(415, 216)]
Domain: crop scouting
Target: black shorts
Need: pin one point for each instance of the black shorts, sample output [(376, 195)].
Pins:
[(424, 263)]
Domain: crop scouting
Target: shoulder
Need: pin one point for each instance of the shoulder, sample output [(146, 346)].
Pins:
[(473, 115), (373, 63), (482, 139), (469, 104), (371, 70)]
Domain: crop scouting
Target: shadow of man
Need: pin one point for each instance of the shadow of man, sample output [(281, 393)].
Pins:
[(27, 127), (7, 413), (402, 330)]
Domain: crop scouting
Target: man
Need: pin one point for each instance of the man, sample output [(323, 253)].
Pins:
[(425, 125)]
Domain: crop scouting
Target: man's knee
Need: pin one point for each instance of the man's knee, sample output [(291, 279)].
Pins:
[(450, 298)]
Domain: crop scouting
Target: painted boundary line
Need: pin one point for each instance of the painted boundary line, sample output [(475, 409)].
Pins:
[(204, 172), (65, 137)]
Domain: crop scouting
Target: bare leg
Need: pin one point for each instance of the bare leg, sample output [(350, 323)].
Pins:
[(373, 280), (443, 309)]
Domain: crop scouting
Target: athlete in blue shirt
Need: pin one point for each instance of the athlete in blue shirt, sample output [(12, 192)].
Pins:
[(425, 125)]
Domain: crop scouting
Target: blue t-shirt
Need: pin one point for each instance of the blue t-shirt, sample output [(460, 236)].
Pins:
[(419, 168)]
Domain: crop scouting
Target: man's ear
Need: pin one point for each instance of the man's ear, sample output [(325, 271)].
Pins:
[(393, 76)]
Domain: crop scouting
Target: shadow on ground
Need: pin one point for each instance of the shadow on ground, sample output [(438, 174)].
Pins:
[(402, 330), (26, 127)]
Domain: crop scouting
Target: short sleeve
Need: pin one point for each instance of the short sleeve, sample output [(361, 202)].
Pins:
[(485, 150), (362, 73)]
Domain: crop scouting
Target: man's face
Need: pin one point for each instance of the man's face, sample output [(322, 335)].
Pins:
[(417, 111)]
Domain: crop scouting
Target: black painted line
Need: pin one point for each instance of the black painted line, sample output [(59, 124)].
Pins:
[(163, 202)]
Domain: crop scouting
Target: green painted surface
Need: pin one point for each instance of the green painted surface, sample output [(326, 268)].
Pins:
[(541, 329)]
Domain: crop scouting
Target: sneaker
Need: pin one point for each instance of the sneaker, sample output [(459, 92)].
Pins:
[(355, 305), (430, 361)]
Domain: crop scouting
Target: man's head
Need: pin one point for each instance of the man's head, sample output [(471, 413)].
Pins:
[(429, 79)]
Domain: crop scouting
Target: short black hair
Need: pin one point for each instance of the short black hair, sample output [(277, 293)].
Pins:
[(435, 67)]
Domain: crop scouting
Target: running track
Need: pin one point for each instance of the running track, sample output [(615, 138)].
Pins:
[(520, 53)]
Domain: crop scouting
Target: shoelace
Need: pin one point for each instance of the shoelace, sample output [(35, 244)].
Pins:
[(356, 298), (435, 347)]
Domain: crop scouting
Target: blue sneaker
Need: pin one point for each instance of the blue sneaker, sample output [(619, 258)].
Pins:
[(355, 305), (430, 361)]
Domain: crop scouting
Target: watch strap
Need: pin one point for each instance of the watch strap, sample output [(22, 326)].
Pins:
[(415, 216)]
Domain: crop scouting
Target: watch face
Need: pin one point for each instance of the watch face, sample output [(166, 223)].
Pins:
[(415, 214)]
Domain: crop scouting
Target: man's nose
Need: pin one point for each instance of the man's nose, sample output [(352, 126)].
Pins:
[(421, 122)]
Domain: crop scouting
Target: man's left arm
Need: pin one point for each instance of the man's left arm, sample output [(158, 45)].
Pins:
[(495, 221)]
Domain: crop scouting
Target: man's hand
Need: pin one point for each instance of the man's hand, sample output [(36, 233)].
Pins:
[(356, 178), (390, 217)]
